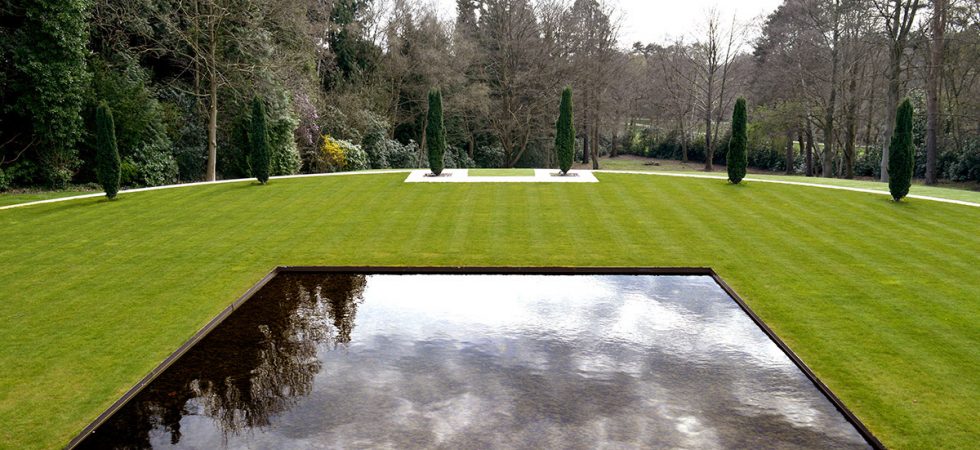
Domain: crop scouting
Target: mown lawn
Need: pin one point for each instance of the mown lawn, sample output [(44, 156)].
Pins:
[(13, 198), (964, 191), (500, 172), (880, 299)]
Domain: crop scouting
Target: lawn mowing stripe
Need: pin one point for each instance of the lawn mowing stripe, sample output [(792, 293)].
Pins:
[(182, 238)]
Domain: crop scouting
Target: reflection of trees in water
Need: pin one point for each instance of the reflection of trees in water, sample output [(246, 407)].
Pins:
[(252, 367)]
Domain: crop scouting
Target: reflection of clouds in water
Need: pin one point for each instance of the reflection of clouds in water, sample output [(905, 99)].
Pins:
[(639, 311), (479, 361), (613, 323)]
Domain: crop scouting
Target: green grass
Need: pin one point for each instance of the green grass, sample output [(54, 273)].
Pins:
[(500, 172), (13, 198), (954, 191), (879, 298)]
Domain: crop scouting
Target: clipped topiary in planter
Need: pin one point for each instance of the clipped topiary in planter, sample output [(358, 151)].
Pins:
[(737, 158), (565, 132), (901, 153), (106, 152), (435, 133), (259, 140)]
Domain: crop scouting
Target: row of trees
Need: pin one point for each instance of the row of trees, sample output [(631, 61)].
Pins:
[(826, 75), (346, 82)]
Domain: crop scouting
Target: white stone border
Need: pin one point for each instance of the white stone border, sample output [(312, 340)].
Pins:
[(463, 176), (796, 183)]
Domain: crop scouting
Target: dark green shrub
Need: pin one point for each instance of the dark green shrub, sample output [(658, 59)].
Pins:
[(153, 166), (456, 158), (963, 163), (736, 158), (435, 133), (106, 153), (489, 156), (565, 132), (259, 139), (233, 160), (140, 124), (901, 153)]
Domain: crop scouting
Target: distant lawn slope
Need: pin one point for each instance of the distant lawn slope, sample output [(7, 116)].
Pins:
[(954, 191), (880, 299)]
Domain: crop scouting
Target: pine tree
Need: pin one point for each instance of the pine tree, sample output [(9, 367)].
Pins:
[(737, 158), (435, 133), (259, 140), (106, 152), (565, 132), (901, 153)]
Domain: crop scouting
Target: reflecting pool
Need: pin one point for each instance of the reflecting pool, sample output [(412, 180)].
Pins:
[(483, 361)]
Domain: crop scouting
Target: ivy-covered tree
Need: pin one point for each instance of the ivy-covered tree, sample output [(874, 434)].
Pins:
[(737, 158), (107, 163), (435, 133), (48, 79), (565, 132), (261, 158), (901, 158)]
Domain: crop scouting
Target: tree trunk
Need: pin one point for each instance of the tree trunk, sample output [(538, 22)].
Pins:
[(827, 154), (850, 137), (898, 35), (850, 124), (799, 136), (595, 144), (938, 25), (790, 157), (684, 157), (891, 106), (421, 163), (809, 150), (709, 153), (213, 124), (586, 149), (471, 150), (586, 153)]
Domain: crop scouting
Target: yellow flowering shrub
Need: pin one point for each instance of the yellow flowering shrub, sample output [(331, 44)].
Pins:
[(332, 153)]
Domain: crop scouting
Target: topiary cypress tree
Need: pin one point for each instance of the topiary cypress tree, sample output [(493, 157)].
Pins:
[(261, 157), (901, 153), (107, 161), (565, 132), (435, 133), (737, 158)]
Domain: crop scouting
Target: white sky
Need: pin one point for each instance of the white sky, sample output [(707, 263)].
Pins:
[(661, 20)]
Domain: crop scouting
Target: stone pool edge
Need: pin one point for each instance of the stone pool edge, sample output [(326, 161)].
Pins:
[(486, 270)]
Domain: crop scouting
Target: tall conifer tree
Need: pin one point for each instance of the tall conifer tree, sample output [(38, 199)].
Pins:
[(737, 158), (901, 158), (435, 133), (106, 152), (565, 132), (259, 140)]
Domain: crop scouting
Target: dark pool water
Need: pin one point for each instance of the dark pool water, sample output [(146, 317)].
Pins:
[(483, 361)]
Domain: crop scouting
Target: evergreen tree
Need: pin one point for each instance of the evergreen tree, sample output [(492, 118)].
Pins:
[(565, 132), (49, 77), (901, 157), (737, 158), (261, 158), (106, 152), (435, 133)]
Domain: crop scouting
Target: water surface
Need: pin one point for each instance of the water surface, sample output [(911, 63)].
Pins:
[(478, 361)]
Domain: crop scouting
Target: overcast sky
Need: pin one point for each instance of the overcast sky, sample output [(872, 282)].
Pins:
[(660, 20)]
